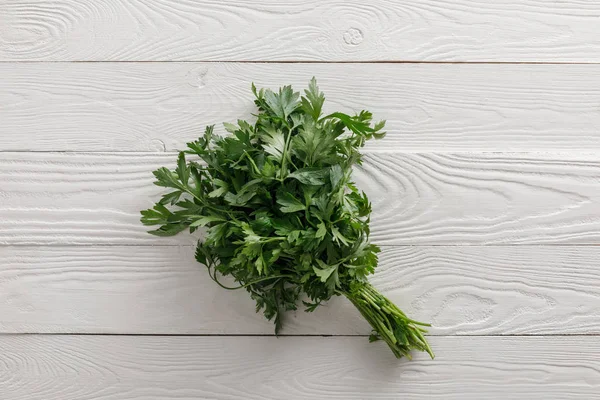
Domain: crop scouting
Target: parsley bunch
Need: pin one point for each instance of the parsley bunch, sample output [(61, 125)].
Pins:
[(281, 214)]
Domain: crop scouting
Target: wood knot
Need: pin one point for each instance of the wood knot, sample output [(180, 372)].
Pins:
[(353, 36), (158, 145), (196, 77)]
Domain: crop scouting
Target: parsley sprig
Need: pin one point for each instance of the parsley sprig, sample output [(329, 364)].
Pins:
[(281, 213)]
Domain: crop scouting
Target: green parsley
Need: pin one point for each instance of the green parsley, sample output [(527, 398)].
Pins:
[(281, 214)]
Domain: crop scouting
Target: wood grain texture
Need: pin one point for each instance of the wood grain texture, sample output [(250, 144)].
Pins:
[(469, 290), (332, 30), (253, 368), (429, 107), (418, 198)]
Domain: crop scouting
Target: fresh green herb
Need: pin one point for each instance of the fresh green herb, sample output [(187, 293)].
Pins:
[(281, 214)]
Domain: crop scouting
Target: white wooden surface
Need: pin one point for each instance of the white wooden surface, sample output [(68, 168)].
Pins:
[(295, 368), (486, 195), (429, 107), (461, 290), (332, 30), (419, 198)]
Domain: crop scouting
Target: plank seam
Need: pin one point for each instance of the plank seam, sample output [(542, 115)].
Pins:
[(280, 336), (365, 152), (113, 245), (301, 62)]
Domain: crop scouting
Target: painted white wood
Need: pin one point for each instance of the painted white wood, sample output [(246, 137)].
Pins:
[(477, 154), (469, 290), (263, 368), (429, 107), (331, 30), (418, 198)]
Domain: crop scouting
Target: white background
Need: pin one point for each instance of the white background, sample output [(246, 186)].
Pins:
[(486, 196)]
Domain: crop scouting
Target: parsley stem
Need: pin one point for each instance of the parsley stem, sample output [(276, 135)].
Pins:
[(213, 275), (252, 162), (284, 154), (205, 204), (401, 333)]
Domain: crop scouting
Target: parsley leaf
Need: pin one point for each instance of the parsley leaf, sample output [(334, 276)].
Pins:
[(282, 104), (310, 176), (289, 203), (313, 102)]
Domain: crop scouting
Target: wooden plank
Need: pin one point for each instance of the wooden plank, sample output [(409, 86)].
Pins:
[(465, 290), (418, 198), (129, 289), (262, 368), (430, 30), (433, 107)]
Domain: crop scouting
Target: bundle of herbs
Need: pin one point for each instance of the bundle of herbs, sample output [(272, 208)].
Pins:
[(282, 215)]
